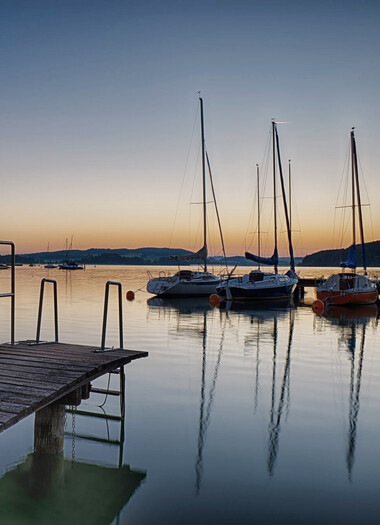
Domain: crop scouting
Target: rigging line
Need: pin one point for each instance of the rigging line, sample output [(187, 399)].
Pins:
[(342, 193), (216, 209), (183, 179), (263, 179), (191, 195), (192, 246), (367, 196)]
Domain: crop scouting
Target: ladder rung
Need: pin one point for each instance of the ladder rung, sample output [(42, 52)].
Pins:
[(94, 438), (105, 391), (93, 414)]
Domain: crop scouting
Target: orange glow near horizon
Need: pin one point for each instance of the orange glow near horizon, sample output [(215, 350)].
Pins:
[(307, 241)]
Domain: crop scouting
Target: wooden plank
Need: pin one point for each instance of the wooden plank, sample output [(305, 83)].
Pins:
[(42, 368), (31, 382), (24, 399), (36, 375), (5, 417), (42, 391), (42, 363), (13, 408)]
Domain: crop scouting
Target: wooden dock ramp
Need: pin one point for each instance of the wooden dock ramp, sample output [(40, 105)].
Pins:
[(33, 376)]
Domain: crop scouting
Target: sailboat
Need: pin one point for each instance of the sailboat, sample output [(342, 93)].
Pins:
[(69, 264), (258, 285), (351, 288), (190, 283)]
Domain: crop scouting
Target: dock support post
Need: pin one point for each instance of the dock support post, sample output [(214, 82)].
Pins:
[(49, 429), (47, 465)]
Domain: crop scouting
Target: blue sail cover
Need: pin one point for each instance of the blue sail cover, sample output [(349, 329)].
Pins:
[(270, 261), (351, 261)]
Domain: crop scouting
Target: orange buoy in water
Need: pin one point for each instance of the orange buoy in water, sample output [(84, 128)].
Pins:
[(318, 307), (214, 299), (130, 295)]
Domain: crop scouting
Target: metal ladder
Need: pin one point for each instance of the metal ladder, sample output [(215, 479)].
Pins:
[(12, 293), (107, 391)]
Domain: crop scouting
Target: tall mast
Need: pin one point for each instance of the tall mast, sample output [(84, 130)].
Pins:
[(204, 184), (353, 187), (290, 196), (356, 174), (258, 213), (292, 265), (274, 189)]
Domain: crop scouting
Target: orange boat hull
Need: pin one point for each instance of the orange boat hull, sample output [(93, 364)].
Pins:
[(346, 297)]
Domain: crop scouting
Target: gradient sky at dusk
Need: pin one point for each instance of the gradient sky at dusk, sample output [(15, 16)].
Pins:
[(99, 105)]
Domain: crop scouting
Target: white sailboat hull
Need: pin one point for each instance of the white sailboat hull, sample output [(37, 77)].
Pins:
[(184, 284)]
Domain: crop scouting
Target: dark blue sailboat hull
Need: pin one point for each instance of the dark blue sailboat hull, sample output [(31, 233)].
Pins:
[(246, 294)]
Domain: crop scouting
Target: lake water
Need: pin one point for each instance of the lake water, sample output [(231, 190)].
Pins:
[(237, 416)]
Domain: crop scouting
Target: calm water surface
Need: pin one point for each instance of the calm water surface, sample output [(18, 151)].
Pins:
[(237, 416)]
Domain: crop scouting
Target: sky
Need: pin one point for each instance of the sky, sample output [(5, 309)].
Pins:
[(99, 134)]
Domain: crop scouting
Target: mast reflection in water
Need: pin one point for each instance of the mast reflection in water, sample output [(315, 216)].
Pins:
[(198, 308), (265, 323), (352, 325)]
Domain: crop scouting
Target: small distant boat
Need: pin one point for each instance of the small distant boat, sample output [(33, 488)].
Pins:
[(351, 288), (258, 285), (4, 267), (189, 283), (70, 265)]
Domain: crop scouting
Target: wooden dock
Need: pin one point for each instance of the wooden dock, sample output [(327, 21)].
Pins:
[(34, 376), (310, 282)]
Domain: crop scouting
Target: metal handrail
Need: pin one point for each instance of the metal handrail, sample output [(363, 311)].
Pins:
[(12, 293), (43, 281), (108, 284)]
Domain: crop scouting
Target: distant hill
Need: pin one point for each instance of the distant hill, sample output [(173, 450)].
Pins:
[(335, 257), (125, 256)]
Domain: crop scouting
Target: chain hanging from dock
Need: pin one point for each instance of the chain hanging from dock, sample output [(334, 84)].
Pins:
[(73, 409)]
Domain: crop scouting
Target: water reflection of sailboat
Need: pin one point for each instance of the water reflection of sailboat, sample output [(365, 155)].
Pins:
[(354, 399), (351, 322), (266, 323), (188, 305), (192, 316), (266, 309), (277, 411), (341, 314), (206, 403)]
